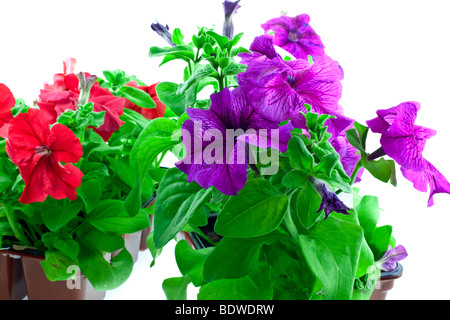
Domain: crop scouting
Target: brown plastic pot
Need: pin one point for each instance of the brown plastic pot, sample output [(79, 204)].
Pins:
[(12, 283), (386, 283), (38, 287)]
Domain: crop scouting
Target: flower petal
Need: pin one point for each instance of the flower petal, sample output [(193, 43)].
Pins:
[(66, 147)]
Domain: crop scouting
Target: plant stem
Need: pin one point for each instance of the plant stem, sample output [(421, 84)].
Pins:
[(355, 172), (290, 225), (376, 154)]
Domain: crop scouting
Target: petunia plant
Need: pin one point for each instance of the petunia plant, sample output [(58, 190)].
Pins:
[(265, 156), (69, 181)]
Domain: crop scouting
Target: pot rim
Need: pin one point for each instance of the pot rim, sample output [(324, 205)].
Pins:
[(394, 274)]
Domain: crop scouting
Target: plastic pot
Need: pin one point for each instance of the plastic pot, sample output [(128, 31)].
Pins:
[(12, 283), (386, 283), (132, 244), (38, 287)]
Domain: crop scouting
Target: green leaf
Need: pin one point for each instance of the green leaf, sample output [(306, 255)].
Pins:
[(184, 52), (176, 203), (258, 209), (90, 192), (167, 94), (380, 169), (191, 261), (220, 40), (68, 246), (138, 97), (176, 288), (57, 216), (380, 240), (368, 211), (198, 75), (294, 179), (354, 140), (157, 137), (255, 286), (233, 258), (327, 164), (103, 274), (305, 203), (362, 132), (177, 37), (234, 68), (299, 155), (56, 266), (110, 216), (332, 250)]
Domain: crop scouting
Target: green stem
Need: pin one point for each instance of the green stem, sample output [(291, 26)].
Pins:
[(355, 172), (290, 225), (17, 233)]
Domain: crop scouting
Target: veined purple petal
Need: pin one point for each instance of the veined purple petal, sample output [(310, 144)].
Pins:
[(401, 138), (391, 257), (427, 179), (261, 46), (295, 35), (349, 155)]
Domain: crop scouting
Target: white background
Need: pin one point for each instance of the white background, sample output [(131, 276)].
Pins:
[(391, 52)]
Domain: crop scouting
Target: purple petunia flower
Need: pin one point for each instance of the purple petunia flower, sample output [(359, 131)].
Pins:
[(279, 89), (401, 139), (428, 178), (388, 261), (216, 141), (296, 36)]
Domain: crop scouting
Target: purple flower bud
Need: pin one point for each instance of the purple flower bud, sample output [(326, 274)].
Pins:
[(163, 32), (230, 8), (388, 261), (330, 201)]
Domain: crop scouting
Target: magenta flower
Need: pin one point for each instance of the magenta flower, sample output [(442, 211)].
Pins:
[(391, 257), (215, 140), (401, 138), (230, 8), (428, 178), (296, 36), (262, 46), (279, 89)]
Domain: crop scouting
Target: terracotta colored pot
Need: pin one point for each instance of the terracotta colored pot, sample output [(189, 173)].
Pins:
[(12, 283), (386, 283)]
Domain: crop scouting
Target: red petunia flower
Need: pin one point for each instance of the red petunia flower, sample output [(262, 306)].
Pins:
[(64, 94), (7, 102), (149, 114), (38, 152)]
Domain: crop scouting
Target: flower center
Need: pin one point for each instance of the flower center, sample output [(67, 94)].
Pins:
[(43, 150), (294, 36)]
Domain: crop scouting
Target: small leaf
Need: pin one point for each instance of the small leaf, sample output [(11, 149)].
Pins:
[(138, 97)]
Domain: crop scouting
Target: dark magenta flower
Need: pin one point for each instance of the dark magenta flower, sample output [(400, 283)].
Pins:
[(216, 141), (279, 89), (296, 36), (429, 178), (401, 139), (391, 257), (230, 9)]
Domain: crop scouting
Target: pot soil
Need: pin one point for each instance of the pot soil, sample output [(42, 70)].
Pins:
[(386, 283), (38, 287), (12, 283)]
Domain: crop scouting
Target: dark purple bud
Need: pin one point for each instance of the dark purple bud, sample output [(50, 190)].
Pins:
[(230, 8), (163, 32), (330, 201)]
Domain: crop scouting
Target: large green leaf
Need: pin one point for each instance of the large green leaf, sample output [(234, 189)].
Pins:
[(255, 286), (176, 288), (332, 251), (191, 261), (258, 209), (176, 203), (305, 203), (110, 216)]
